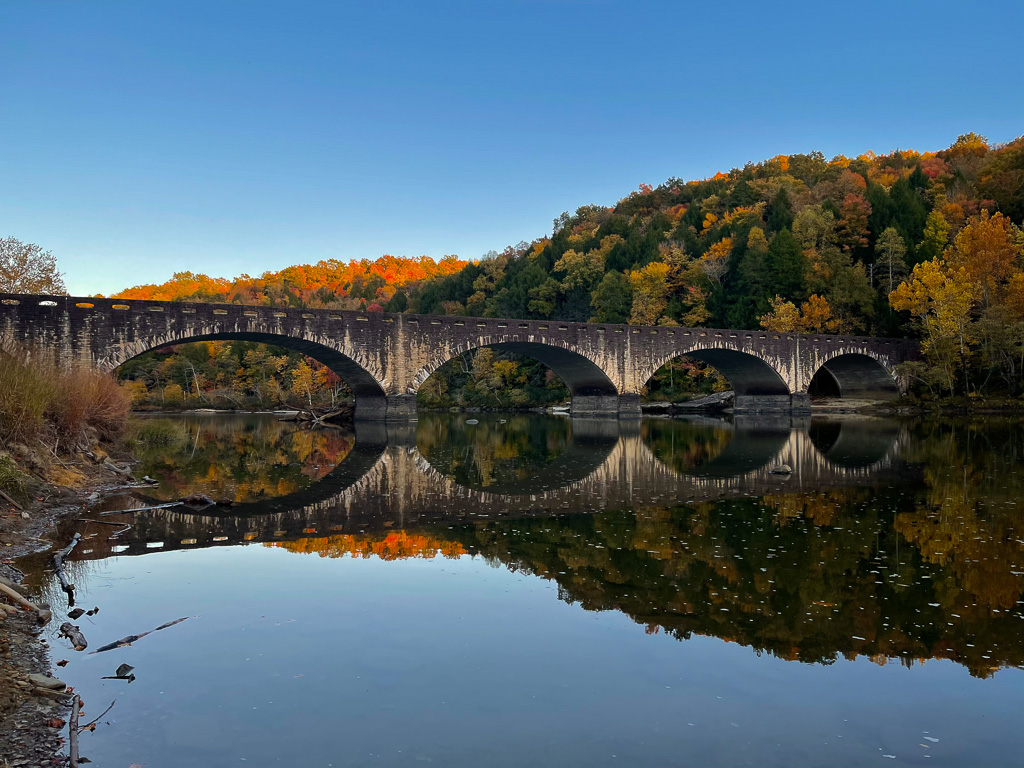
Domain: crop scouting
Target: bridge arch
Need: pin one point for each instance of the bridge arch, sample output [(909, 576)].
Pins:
[(748, 373), (589, 383), (362, 375), (860, 374)]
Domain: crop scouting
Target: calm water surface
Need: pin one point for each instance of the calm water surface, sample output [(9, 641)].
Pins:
[(536, 590)]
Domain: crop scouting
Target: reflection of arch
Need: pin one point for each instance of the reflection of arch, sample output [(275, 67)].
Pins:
[(854, 374), (749, 449), (854, 442), (582, 375), (364, 377), (371, 441), (590, 443)]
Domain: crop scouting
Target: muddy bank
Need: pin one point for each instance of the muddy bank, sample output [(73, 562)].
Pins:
[(33, 710)]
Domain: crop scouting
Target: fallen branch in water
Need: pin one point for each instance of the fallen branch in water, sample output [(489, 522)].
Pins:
[(58, 567), (141, 509), (100, 522), (43, 614), (115, 534), (76, 708), (132, 638), (93, 722)]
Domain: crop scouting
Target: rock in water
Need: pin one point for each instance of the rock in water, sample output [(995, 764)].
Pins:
[(47, 682), (782, 469)]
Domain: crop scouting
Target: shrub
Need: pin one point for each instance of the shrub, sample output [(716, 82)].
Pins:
[(62, 404)]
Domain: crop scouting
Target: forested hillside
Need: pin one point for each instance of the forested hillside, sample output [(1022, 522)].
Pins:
[(908, 243)]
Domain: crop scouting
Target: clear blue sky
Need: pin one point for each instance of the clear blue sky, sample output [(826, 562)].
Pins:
[(226, 136)]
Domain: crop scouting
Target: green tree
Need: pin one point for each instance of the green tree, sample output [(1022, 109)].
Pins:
[(890, 259), (785, 266), (613, 299)]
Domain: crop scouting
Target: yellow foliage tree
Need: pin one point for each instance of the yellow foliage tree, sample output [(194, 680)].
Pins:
[(813, 316), (650, 292)]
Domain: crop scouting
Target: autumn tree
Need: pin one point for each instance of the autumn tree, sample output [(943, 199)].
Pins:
[(890, 258), (27, 268), (650, 293)]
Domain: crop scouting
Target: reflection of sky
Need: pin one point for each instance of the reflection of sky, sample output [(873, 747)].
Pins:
[(313, 661)]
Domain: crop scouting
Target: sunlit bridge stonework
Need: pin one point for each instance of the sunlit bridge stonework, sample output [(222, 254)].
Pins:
[(385, 358), (386, 482)]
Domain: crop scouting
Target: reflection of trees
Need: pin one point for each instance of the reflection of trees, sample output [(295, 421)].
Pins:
[(967, 520), (683, 445), (489, 453), (399, 545), (244, 458), (909, 572)]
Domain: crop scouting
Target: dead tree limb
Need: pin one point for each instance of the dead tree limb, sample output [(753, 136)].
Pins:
[(43, 614), (76, 708), (132, 638), (141, 509), (58, 567), (96, 720), (11, 501)]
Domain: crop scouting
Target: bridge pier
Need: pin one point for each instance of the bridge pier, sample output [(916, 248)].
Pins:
[(798, 402), (386, 408), (623, 406)]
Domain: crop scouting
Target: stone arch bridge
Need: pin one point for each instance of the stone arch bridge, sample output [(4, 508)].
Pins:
[(385, 358)]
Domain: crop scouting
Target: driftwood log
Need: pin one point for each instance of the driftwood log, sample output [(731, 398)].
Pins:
[(76, 709), (74, 634), (132, 638), (41, 613), (58, 567), (11, 501)]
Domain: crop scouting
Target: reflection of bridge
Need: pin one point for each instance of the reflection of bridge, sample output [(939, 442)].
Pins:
[(385, 358), (385, 482)]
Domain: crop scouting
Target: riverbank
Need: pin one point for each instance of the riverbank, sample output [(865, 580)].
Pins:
[(32, 718)]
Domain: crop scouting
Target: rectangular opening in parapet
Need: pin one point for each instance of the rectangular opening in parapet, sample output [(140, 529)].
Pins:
[(82, 304), (280, 314), (120, 306), (155, 309), (220, 311), (10, 301), (307, 316)]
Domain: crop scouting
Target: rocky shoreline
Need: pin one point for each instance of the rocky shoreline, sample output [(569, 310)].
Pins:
[(34, 706)]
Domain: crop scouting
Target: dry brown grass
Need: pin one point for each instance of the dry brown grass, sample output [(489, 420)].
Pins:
[(66, 405)]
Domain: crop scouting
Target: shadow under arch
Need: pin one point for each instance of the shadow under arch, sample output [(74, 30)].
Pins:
[(583, 377), (854, 443), (854, 375), (371, 441), (365, 384), (590, 444), (747, 373), (742, 446)]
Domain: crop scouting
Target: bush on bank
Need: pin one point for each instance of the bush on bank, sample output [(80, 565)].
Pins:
[(64, 407)]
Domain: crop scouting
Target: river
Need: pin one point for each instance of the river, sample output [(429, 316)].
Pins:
[(536, 590)]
